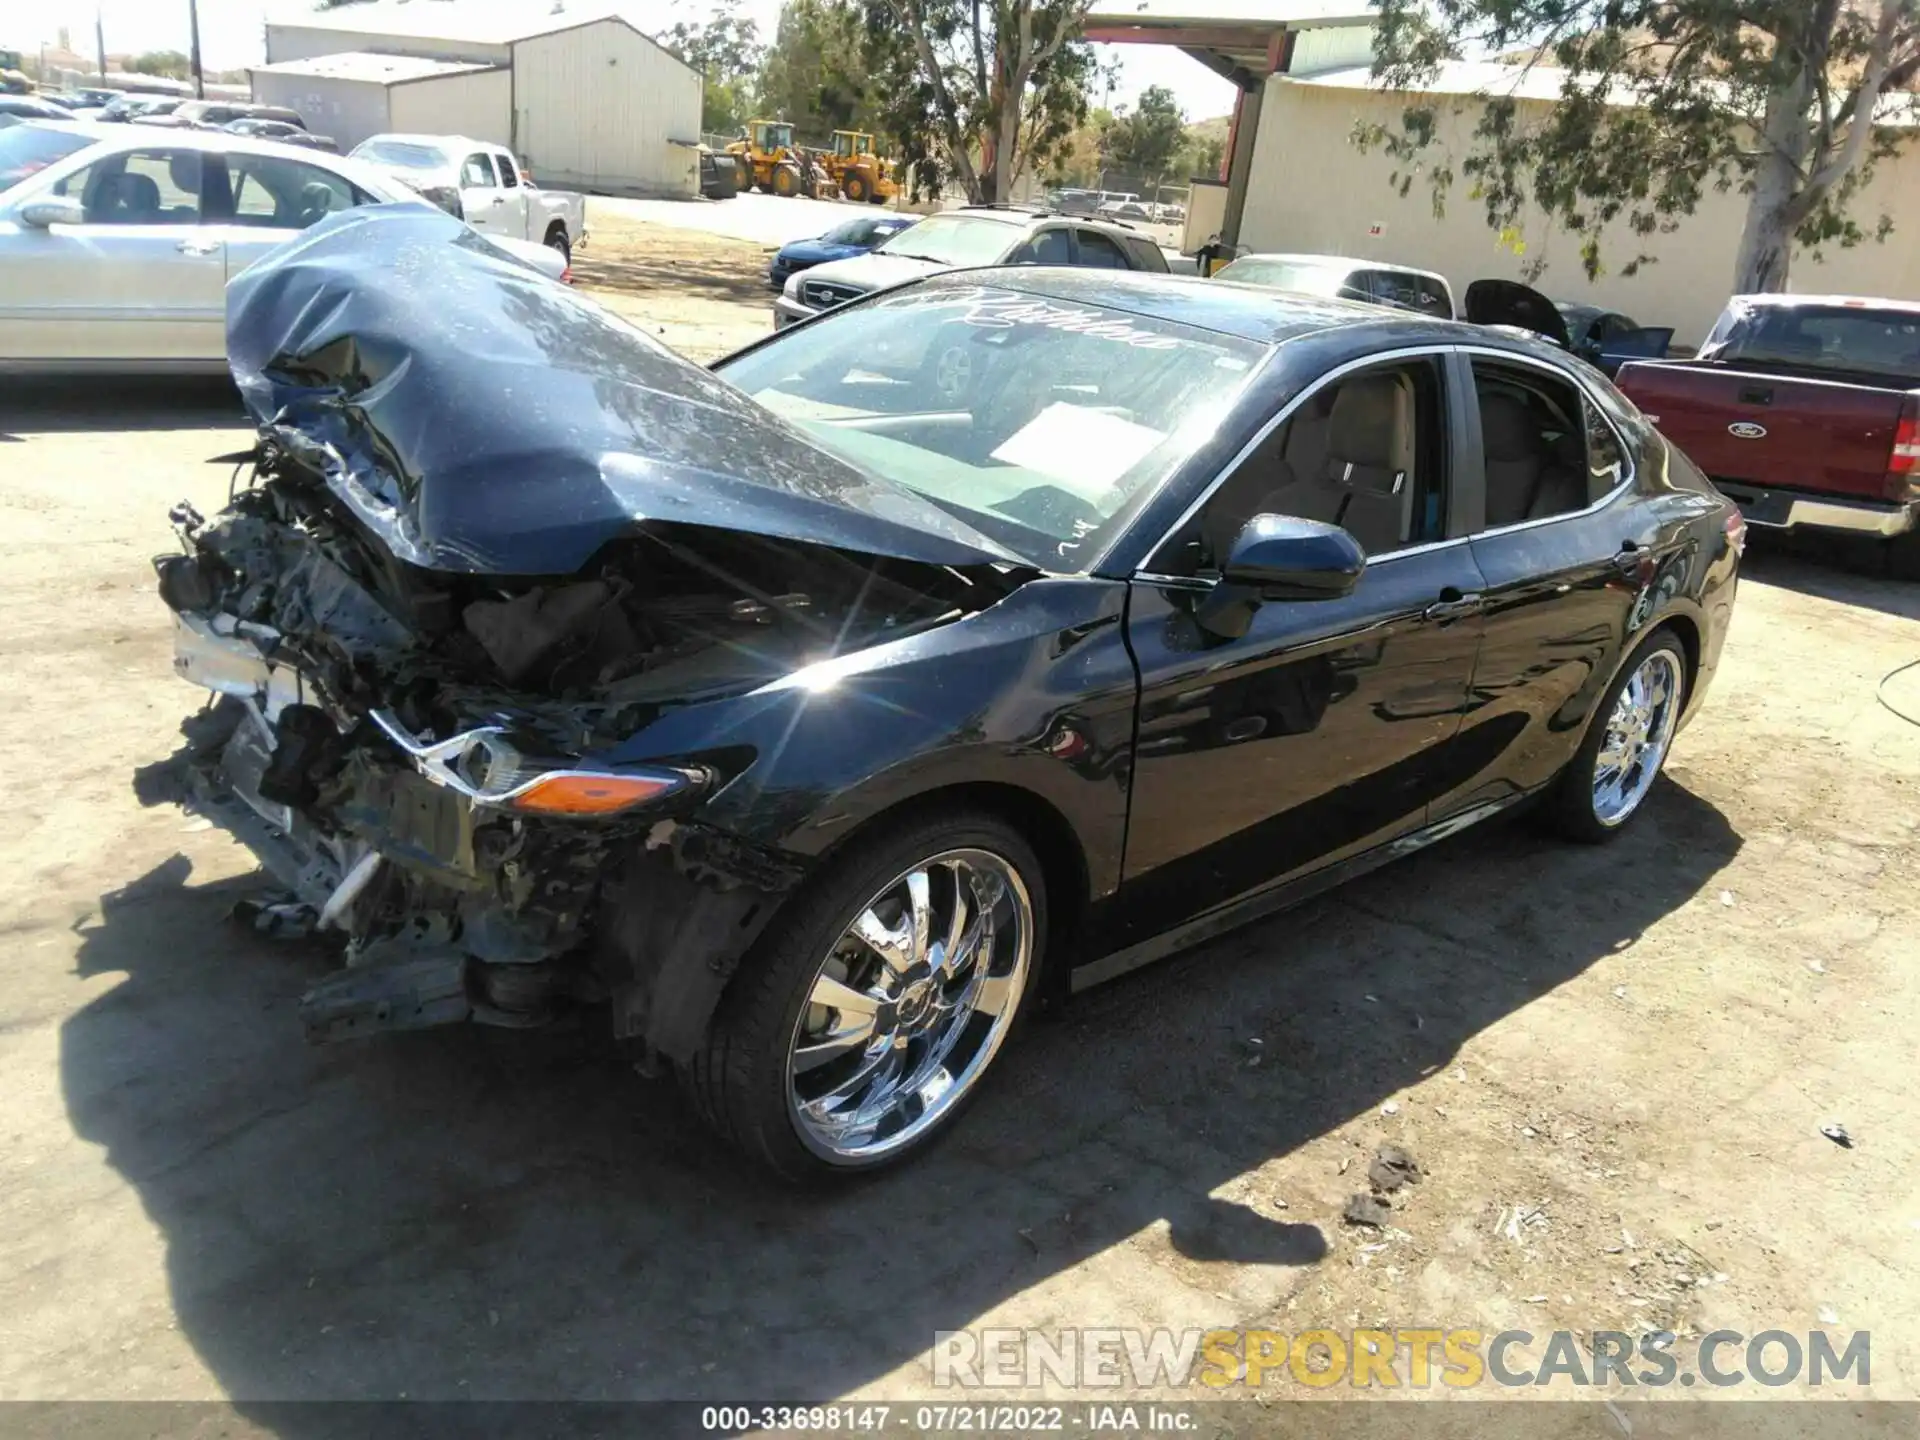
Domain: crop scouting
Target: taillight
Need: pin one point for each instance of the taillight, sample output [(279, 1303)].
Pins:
[(1903, 465)]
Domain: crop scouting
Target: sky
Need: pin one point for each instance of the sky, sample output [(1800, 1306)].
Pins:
[(231, 30)]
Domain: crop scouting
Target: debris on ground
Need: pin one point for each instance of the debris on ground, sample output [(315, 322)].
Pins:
[(1828, 1315), (1837, 1133), (1392, 1107), (1367, 1210), (1393, 1166)]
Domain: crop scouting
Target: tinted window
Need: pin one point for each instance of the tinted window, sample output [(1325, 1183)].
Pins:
[(1146, 255), (1534, 428), (1821, 337), (1367, 453), (476, 173), (1049, 247), (139, 187), (1405, 291), (509, 171), (1100, 252), (1039, 422), (286, 194)]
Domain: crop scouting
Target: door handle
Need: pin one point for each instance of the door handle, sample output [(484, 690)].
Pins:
[(499, 199), (198, 247), (1452, 605)]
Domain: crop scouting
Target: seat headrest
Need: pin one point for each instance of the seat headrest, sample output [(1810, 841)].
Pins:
[(1363, 421), (1507, 428)]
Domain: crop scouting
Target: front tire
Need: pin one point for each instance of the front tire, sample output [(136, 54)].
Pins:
[(1627, 742), (855, 189), (864, 1023)]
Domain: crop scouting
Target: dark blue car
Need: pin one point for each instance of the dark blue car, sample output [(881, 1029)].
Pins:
[(853, 237)]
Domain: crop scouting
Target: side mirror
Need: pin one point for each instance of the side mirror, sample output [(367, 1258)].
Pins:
[(53, 210), (1279, 557)]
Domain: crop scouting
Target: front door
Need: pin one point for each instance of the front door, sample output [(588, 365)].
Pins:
[(512, 210), (142, 279), (1327, 728), (482, 200)]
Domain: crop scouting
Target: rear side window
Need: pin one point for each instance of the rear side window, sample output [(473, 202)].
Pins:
[(509, 171), (1146, 255), (1548, 451), (1049, 247), (1098, 251)]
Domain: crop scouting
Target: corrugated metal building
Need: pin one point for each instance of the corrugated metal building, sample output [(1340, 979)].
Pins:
[(576, 90)]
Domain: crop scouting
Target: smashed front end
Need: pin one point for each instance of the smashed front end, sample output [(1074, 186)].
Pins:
[(491, 535)]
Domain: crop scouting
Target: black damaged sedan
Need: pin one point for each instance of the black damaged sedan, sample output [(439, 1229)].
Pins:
[(816, 716)]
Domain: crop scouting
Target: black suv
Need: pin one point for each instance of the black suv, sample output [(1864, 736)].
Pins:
[(973, 236)]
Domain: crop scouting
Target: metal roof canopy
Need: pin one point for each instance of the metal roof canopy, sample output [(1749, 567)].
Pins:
[(1242, 40)]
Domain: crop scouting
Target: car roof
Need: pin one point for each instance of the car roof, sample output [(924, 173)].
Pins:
[(432, 142), (1029, 215), (1350, 262), (112, 139), (1836, 302), (1249, 312)]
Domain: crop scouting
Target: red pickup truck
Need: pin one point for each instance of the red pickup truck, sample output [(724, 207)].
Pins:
[(1805, 411)]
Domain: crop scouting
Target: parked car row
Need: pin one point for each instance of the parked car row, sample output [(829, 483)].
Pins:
[(975, 235)]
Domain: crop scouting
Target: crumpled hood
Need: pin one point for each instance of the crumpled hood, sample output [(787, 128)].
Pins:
[(875, 270), (478, 417)]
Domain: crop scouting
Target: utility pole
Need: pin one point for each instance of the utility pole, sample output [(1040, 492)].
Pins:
[(100, 42), (199, 80)]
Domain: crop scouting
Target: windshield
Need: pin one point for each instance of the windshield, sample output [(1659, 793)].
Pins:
[(857, 232), (954, 240), (1041, 423), (1305, 276), (1846, 338), (406, 157), (25, 149)]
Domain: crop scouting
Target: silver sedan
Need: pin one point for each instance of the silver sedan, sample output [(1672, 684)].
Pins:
[(117, 243)]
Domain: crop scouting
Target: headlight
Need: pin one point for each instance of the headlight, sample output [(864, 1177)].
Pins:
[(792, 290)]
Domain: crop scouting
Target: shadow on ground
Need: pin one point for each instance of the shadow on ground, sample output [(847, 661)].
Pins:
[(467, 1213), (119, 403), (728, 278), (1848, 569)]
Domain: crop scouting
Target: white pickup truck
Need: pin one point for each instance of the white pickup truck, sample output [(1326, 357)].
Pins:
[(482, 184)]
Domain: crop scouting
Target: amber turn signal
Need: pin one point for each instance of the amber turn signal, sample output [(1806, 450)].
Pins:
[(583, 792)]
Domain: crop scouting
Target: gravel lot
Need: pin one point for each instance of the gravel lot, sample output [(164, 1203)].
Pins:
[(1574, 1043)]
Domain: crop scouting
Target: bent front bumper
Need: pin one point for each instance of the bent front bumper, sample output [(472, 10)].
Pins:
[(1789, 510)]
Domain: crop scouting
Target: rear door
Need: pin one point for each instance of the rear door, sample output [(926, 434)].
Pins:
[(1566, 550), (143, 279)]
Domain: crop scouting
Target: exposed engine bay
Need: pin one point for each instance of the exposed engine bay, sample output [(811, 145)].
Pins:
[(412, 752)]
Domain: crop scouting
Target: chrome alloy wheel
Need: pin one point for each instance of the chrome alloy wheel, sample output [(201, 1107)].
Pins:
[(910, 1005), (1638, 734)]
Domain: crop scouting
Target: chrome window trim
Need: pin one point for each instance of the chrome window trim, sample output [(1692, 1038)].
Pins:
[(1628, 473), (1203, 582), (1284, 414)]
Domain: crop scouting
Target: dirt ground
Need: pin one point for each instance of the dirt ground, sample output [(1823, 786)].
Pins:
[(705, 295), (1613, 1064)]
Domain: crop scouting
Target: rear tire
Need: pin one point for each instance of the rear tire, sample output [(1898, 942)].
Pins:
[(855, 189), (792, 1081), (557, 240), (1627, 741)]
